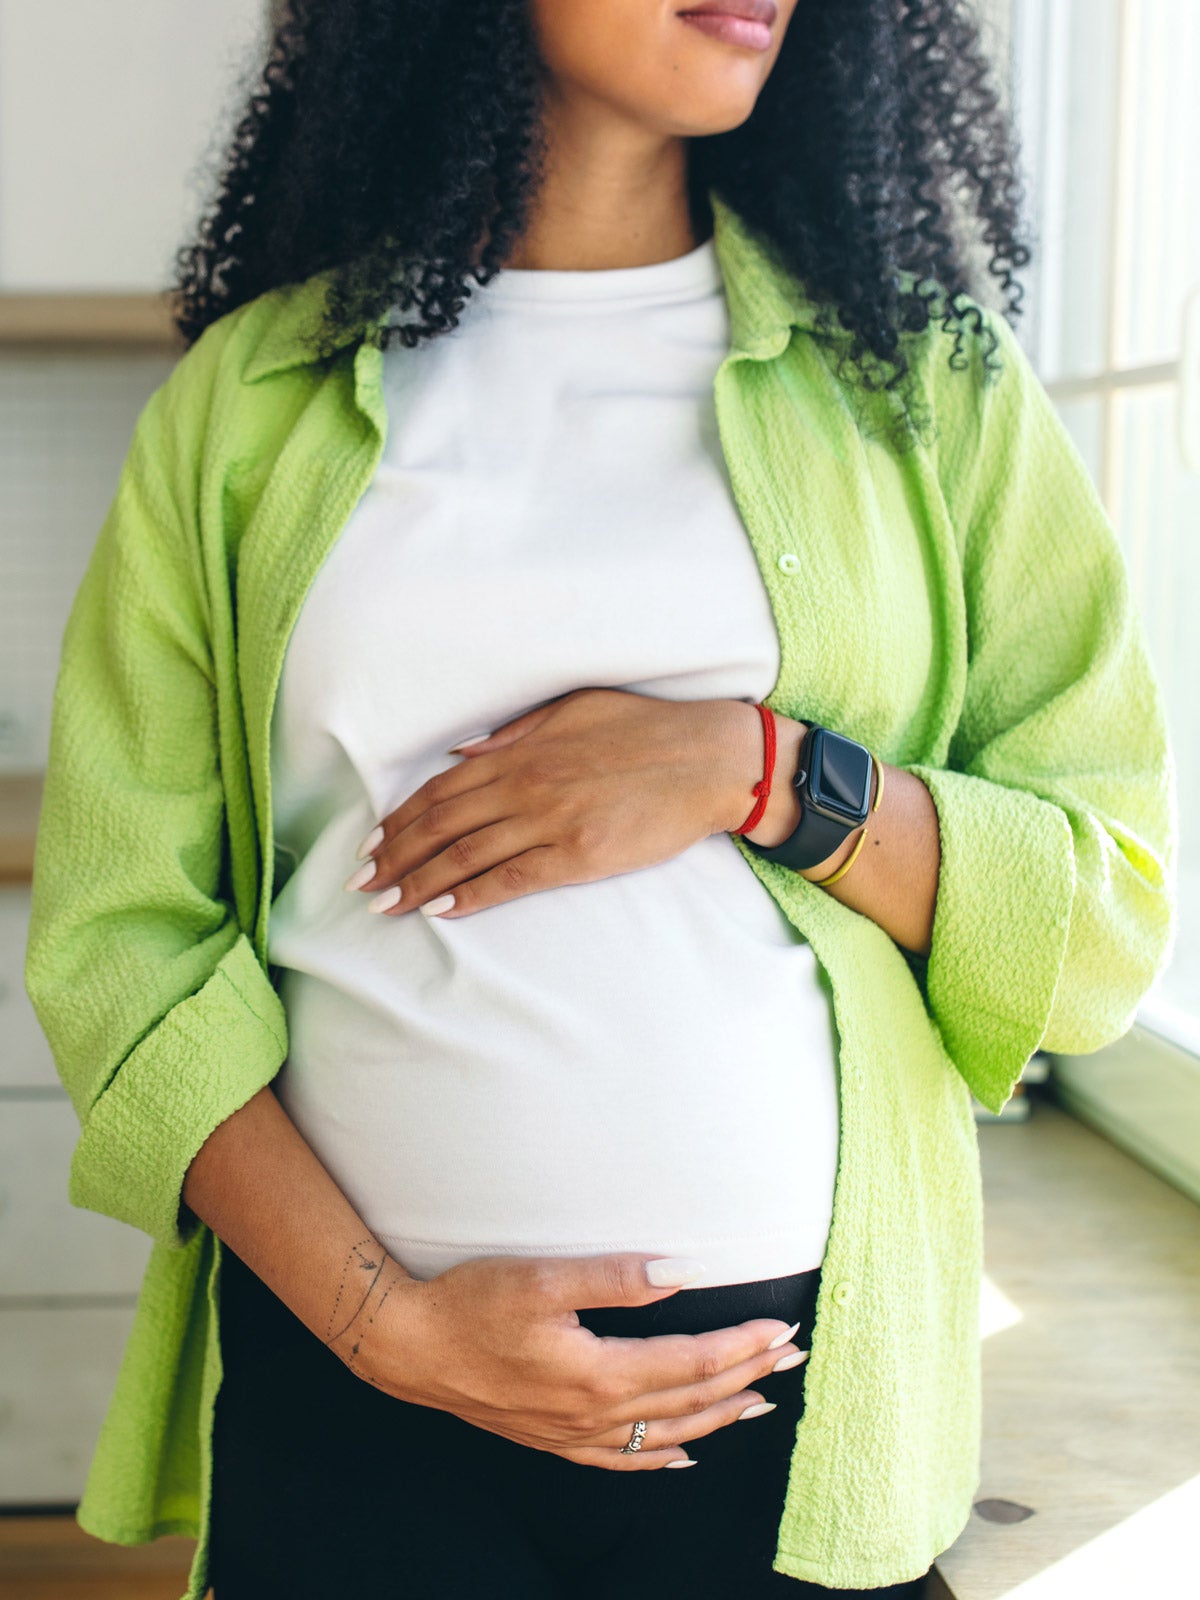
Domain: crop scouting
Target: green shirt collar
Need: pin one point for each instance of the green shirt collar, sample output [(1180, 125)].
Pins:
[(765, 302)]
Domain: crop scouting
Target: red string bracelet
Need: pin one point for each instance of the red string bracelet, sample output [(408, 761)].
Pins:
[(763, 787)]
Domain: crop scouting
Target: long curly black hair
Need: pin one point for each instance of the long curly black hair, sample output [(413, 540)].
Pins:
[(385, 139)]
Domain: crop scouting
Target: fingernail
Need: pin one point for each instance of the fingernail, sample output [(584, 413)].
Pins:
[(669, 1272), (363, 876), (386, 900), (443, 903), (758, 1410), (372, 842), (782, 1338), (688, 1463), (794, 1360), (476, 738)]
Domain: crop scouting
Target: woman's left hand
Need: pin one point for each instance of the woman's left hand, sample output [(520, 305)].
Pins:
[(597, 782)]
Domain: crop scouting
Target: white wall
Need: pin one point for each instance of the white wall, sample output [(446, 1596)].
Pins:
[(107, 108)]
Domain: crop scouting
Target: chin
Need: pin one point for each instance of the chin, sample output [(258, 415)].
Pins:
[(706, 110)]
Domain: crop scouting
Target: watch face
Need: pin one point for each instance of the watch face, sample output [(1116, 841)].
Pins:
[(841, 776)]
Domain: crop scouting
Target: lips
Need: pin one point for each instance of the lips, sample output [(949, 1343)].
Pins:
[(748, 10)]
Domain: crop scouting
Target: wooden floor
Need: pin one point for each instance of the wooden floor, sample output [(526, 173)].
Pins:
[(51, 1558), (1091, 1411)]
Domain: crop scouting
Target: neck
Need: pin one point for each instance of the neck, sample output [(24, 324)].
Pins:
[(613, 194)]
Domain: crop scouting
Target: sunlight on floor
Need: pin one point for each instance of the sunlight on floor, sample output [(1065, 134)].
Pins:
[(996, 1310), (1150, 1553)]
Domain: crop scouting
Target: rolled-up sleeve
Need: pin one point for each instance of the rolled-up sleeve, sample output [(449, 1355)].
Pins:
[(1056, 803), (160, 1018)]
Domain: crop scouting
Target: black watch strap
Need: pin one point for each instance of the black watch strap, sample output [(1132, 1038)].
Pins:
[(822, 836), (816, 836)]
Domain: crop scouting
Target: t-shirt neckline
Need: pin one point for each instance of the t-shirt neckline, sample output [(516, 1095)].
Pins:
[(695, 272)]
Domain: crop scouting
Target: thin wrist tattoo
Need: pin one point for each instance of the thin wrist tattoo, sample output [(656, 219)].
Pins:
[(356, 1261), (356, 1347)]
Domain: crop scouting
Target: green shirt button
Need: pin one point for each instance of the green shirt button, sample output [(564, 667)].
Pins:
[(843, 1293), (789, 561)]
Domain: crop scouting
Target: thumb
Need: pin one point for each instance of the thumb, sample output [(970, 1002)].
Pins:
[(624, 1278)]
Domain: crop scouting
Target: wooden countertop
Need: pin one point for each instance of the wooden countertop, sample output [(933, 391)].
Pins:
[(20, 801), (97, 321)]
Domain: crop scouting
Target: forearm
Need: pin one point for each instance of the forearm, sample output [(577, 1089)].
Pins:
[(894, 880), (260, 1187)]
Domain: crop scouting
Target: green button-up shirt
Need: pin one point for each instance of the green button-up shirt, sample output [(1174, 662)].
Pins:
[(962, 607)]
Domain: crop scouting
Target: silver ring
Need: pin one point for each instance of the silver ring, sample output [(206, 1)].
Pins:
[(635, 1440)]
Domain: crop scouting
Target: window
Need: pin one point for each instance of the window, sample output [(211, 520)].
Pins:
[(1104, 99), (1108, 114)]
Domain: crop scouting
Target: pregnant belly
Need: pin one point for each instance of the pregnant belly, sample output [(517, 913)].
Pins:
[(646, 1062)]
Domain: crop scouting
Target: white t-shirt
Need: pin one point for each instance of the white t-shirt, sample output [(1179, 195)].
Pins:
[(641, 1062)]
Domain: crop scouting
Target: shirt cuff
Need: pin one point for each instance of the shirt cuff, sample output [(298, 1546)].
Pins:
[(1005, 888), (206, 1058)]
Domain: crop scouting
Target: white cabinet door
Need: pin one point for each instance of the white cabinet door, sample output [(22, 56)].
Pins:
[(47, 1245), (68, 1278), (25, 1059), (57, 1372), (110, 116)]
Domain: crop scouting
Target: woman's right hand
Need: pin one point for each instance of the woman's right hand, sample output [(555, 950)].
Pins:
[(496, 1341)]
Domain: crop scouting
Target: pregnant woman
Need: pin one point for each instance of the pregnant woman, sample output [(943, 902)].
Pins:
[(605, 709)]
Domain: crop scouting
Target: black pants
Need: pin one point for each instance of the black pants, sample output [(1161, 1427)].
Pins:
[(324, 1486)]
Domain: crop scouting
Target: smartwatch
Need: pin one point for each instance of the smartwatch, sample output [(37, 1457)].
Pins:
[(833, 783)]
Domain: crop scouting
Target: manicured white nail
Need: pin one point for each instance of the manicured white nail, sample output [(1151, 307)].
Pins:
[(782, 1338), (386, 900), (476, 738), (372, 842), (688, 1463), (433, 907), (359, 879), (669, 1272), (794, 1360), (757, 1411)]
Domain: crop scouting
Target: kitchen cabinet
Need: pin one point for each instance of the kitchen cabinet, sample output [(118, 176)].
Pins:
[(69, 1278), (48, 1247), (57, 1368), (26, 1065)]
